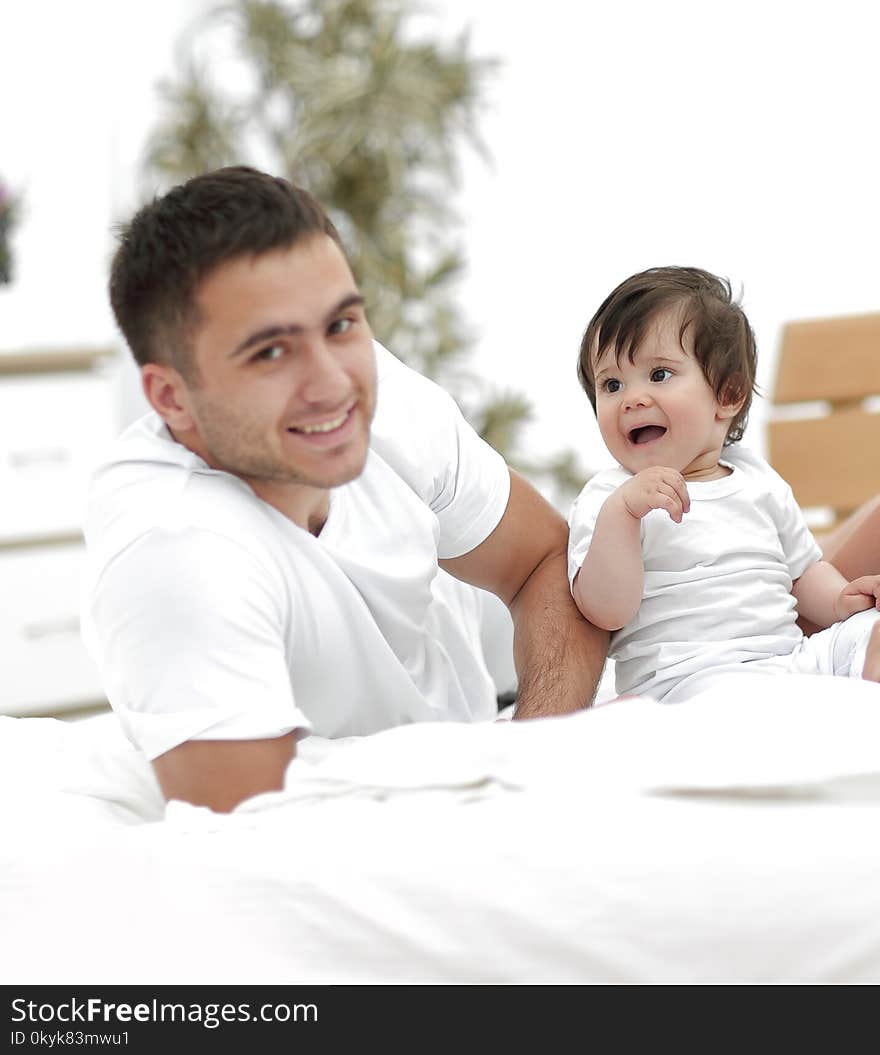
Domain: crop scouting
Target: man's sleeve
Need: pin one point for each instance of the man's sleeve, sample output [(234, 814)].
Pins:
[(190, 631), (422, 434)]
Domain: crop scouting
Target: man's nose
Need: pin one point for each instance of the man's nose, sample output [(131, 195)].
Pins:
[(324, 378)]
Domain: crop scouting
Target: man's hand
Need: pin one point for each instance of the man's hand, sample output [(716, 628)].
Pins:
[(858, 596), (656, 488)]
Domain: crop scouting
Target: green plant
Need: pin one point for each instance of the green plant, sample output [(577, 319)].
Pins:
[(8, 218)]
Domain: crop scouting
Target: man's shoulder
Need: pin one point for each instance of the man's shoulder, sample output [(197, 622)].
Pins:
[(420, 433), (151, 485), (410, 409), (144, 458)]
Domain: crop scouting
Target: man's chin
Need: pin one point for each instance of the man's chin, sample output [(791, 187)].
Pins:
[(340, 478), (349, 467)]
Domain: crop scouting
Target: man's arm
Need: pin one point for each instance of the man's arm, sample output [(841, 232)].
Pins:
[(186, 625), (222, 773), (558, 655), (854, 547)]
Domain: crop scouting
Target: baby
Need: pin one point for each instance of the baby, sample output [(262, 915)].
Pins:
[(693, 550)]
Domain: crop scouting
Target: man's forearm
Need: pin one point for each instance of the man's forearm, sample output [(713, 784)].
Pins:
[(222, 773), (558, 655)]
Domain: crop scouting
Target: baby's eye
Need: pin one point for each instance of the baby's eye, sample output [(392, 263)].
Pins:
[(341, 326), (661, 374), (611, 385), (269, 354)]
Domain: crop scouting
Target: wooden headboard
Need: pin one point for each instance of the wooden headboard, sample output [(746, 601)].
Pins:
[(829, 452)]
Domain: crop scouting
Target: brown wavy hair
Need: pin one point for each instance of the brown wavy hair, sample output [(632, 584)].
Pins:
[(175, 241), (723, 340)]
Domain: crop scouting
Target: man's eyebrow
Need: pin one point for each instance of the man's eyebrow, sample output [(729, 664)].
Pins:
[(269, 333)]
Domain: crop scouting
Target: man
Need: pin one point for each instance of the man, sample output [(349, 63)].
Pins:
[(264, 548)]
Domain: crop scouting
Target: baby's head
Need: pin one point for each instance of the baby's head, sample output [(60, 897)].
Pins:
[(668, 352)]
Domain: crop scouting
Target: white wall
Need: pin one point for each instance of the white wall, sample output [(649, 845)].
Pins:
[(740, 138), (737, 137), (77, 90)]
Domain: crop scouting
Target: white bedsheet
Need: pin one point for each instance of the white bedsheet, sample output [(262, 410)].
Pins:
[(729, 839)]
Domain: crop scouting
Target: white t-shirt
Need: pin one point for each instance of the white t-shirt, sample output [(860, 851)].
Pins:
[(717, 588), (213, 616)]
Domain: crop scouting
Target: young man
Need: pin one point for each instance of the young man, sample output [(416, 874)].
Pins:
[(265, 547)]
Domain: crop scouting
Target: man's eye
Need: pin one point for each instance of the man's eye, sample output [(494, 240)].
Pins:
[(341, 326), (611, 385), (269, 354), (661, 374)]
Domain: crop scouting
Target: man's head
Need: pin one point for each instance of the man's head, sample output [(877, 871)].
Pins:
[(238, 302), (711, 326), (175, 241)]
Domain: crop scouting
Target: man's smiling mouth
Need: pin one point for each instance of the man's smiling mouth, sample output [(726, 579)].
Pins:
[(323, 426)]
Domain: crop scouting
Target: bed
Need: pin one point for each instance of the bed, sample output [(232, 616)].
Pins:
[(732, 838), (729, 839)]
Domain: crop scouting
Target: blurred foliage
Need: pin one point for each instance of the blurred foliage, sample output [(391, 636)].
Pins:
[(344, 98), (9, 208)]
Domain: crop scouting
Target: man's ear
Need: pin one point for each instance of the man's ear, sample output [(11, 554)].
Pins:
[(168, 394)]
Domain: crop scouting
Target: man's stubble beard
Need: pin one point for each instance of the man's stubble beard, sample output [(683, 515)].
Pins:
[(235, 447)]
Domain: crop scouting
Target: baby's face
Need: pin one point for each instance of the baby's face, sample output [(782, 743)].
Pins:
[(660, 409)]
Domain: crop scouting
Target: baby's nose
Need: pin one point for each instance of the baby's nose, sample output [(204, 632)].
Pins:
[(636, 397)]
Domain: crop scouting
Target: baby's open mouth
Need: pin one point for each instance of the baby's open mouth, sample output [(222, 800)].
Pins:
[(646, 433)]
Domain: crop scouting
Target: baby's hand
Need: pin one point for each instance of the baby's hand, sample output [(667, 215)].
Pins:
[(656, 488), (858, 596)]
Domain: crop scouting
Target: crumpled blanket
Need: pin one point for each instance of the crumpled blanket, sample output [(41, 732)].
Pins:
[(730, 838)]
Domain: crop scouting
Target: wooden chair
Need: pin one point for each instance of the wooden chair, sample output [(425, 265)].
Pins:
[(829, 449), (824, 434)]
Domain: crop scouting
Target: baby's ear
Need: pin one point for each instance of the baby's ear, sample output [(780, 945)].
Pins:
[(732, 396)]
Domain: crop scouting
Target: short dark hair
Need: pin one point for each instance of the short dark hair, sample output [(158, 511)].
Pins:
[(724, 343), (173, 242)]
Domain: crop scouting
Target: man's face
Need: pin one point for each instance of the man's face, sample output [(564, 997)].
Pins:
[(286, 379)]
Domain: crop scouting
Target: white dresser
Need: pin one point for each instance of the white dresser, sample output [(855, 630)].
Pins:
[(57, 417)]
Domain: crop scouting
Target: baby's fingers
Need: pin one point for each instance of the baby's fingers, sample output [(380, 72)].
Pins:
[(671, 501), (675, 481)]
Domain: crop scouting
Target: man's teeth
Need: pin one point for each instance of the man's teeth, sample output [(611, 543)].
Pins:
[(327, 426)]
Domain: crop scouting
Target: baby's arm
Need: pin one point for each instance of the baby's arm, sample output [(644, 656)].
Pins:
[(609, 585), (825, 597)]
